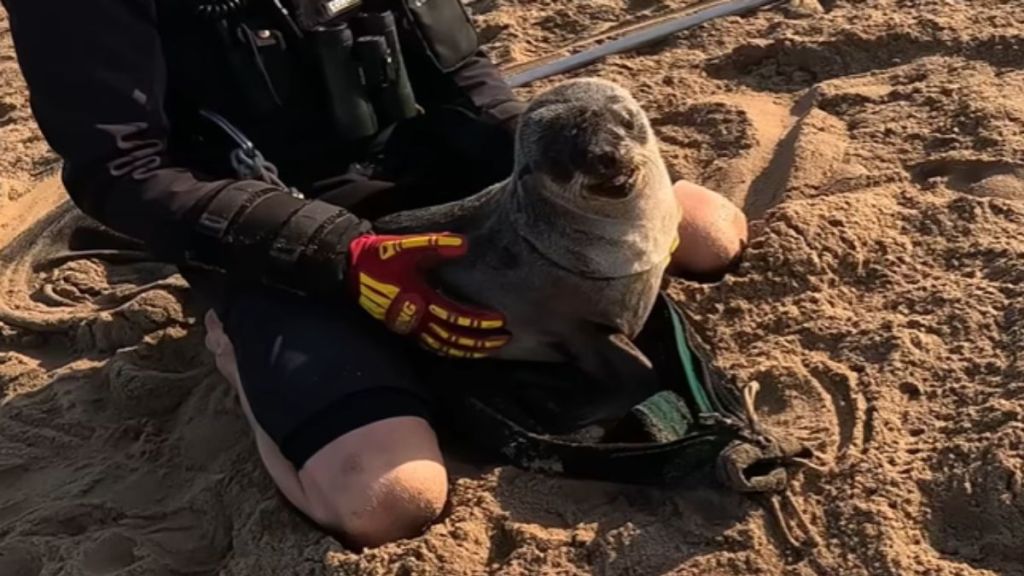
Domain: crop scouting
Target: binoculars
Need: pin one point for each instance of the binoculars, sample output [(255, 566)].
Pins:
[(360, 62)]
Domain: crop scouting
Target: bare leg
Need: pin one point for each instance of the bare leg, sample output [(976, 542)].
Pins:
[(376, 484)]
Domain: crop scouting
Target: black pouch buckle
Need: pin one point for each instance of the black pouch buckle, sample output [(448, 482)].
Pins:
[(312, 14), (445, 30)]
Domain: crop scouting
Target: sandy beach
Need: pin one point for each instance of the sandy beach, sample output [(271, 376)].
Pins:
[(877, 147)]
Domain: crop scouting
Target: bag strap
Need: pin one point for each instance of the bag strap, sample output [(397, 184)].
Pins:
[(654, 463)]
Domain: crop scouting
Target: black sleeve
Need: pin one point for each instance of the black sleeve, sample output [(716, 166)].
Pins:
[(448, 66), (482, 82), (96, 77)]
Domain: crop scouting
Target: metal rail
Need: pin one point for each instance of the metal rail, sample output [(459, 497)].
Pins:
[(635, 37)]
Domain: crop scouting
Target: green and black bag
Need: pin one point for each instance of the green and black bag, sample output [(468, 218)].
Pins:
[(536, 417)]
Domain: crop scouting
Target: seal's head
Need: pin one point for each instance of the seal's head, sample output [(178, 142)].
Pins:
[(590, 144)]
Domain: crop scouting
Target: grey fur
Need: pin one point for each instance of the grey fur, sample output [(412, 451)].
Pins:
[(573, 246)]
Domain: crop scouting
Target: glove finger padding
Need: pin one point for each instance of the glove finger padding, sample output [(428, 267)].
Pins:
[(459, 335), (460, 344), (427, 249)]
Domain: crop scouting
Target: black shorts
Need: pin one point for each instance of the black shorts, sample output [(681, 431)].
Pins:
[(313, 372)]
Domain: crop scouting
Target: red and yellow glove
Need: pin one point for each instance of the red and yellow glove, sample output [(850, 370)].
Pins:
[(387, 275)]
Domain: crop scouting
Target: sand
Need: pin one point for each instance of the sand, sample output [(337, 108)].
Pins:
[(877, 145)]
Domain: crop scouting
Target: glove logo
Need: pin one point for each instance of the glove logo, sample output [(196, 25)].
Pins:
[(408, 317)]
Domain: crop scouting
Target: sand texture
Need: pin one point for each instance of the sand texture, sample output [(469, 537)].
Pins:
[(878, 145)]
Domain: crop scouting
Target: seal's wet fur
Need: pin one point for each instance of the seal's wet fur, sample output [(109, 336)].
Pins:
[(572, 247)]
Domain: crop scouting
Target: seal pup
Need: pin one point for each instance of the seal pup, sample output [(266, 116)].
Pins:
[(573, 246)]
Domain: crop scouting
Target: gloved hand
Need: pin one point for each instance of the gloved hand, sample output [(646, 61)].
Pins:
[(386, 273)]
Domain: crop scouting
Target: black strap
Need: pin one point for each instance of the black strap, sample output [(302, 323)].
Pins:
[(654, 463), (299, 231), (214, 224), (323, 263)]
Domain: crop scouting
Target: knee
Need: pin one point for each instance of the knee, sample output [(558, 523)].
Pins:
[(400, 504), (381, 483), (712, 233)]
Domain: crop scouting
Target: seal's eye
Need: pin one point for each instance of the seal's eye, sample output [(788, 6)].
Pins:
[(625, 119), (632, 124)]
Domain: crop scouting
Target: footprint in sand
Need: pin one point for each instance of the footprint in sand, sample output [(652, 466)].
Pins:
[(975, 509), (141, 387), (983, 178), (793, 386), (188, 540)]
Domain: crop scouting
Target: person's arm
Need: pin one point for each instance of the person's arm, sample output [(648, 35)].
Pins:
[(96, 76), (95, 72)]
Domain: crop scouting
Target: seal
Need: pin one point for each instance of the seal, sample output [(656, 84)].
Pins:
[(573, 246)]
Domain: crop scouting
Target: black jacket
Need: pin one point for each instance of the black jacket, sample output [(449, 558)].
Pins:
[(114, 86)]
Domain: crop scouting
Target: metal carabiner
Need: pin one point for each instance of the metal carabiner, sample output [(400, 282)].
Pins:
[(246, 160), (244, 144)]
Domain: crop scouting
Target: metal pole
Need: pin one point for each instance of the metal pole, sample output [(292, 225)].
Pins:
[(637, 39)]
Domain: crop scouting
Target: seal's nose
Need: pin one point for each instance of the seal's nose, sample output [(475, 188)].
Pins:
[(600, 157), (607, 164), (609, 167), (611, 174)]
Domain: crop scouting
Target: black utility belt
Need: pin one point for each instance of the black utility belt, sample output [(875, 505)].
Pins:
[(346, 63)]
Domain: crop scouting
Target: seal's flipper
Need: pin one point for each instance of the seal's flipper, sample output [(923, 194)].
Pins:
[(625, 345), (456, 217), (625, 373)]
